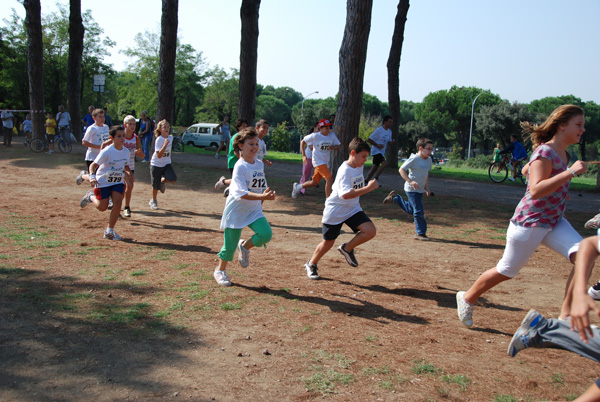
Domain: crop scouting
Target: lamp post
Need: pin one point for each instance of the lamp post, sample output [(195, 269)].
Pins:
[(472, 112), (304, 97)]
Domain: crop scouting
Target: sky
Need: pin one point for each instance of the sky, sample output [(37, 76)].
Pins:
[(521, 50)]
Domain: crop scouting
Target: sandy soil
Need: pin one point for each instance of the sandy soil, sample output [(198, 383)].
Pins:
[(83, 318)]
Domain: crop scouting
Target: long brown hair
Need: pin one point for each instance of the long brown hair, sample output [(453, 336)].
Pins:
[(539, 134), (245, 134)]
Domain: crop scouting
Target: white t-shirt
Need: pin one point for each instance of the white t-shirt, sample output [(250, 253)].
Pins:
[(308, 151), (130, 145), (262, 150), (63, 119), (95, 135), (320, 143), (166, 158), (418, 170), (7, 123), (380, 136), (246, 178), (112, 163), (337, 209)]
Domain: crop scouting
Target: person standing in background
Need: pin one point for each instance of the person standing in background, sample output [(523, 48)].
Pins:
[(63, 119), (7, 127)]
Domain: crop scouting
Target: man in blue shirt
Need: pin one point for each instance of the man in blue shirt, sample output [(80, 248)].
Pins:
[(519, 154)]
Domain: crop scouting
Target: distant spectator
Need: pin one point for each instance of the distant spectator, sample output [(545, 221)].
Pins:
[(107, 119), (7, 127), (63, 119), (27, 129), (88, 120)]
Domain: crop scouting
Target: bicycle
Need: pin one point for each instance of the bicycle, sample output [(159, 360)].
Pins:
[(498, 171), (38, 145)]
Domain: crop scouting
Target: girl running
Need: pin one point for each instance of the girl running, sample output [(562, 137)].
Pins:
[(539, 216), (106, 175), (134, 146), (243, 207), (161, 171)]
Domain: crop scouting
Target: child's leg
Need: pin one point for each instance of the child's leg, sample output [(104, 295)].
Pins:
[(366, 232), (169, 175), (117, 198), (485, 282), (231, 237), (262, 234), (321, 250), (405, 205), (416, 203), (328, 186), (100, 203), (129, 180)]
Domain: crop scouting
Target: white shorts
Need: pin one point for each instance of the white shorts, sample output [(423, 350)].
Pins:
[(521, 243)]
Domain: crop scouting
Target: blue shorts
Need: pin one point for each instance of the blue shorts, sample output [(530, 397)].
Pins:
[(105, 192), (331, 232)]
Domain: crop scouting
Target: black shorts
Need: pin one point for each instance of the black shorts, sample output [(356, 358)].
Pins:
[(157, 173), (378, 159), (331, 232)]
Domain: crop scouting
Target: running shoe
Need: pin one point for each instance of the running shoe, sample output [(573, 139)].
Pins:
[(421, 237), (110, 204), (217, 156), (349, 255), (162, 187), (220, 185), (127, 212), (525, 334), (244, 255), (311, 270), (153, 204), (221, 277), (390, 197), (87, 199), (594, 294), (79, 178), (465, 310), (379, 183), (110, 234), (296, 190), (593, 223)]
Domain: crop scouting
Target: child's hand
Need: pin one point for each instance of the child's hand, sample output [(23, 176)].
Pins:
[(269, 163), (427, 192), (414, 185), (304, 160), (268, 194), (139, 153), (372, 185), (579, 167)]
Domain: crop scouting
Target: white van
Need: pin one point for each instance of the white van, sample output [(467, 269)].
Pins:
[(202, 135)]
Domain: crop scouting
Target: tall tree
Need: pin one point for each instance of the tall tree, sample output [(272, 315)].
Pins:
[(76, 33), (393, 70), (168, 51), (35, 70), (353, 55), (248, 59)]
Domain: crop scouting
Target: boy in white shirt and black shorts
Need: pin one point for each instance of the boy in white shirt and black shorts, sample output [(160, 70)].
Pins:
[(343, 206)]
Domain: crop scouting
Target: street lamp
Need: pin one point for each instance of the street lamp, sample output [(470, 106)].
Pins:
[(304, 97), (472, 111)]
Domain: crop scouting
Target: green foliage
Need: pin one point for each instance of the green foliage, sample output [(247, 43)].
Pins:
[(220, 97), (422, 367), (368, 124), (498, 122), (281, 138), (272, 109)]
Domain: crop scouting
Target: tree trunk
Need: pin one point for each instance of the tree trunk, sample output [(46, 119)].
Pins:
[(168, 52), (353, 55), (35, 70), (393, 68), (248, 60), (76, 32)]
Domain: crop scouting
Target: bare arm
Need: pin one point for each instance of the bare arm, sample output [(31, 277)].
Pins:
[(540, 182), (360, 191), (410, 182), (582, 303), (268, 194)]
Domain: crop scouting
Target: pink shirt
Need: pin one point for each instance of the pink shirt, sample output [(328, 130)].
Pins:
[(545, 211)]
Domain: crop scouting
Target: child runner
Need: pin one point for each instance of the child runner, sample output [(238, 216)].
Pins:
[(106, 175), (343, 206), (161, 170), (380, 138), (322, 144), (306, 151), (539, 216), (497, 157), (262, 128), (94, 136), (50, 131), (415, 171), (27, 128), (223, 183), (223, 129), (576, 335), (244, 206)]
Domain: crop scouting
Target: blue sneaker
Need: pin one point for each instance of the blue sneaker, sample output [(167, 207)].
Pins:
[(523, 337)]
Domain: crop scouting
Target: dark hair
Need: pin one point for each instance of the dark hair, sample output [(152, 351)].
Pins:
[(538, 134), (261, 122), (421, 142), (241, 137), (96, 111), (316, 125), (386, 118), (114, 129), (358, 145), (239, 122)]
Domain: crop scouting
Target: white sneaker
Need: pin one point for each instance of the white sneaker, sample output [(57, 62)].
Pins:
[(296, 190), (244, 255), (110, 234), (311, 270), (221, 277), (220, 185), (379, 183), (511, 178), (110, 204), (217, 156), (465, 310), (79, 178), (153, 204), (594, 294), (50, 152), (593, 223), (226, 192), (86, 199)]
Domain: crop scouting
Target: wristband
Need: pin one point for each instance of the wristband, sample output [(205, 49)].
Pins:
[(572, 172), (92, 176)]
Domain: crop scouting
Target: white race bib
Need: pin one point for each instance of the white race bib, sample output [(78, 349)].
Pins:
[(114, 177), (357, 182)]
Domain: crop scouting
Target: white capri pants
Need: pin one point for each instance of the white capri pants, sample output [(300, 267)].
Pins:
[(521, 243)]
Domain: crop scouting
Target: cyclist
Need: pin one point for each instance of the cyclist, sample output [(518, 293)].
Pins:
[(519, 154)]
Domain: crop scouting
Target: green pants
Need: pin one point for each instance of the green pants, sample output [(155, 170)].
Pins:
[(262, 235)]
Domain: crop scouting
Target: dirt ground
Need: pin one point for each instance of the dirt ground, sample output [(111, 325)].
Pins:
[(83, 318)]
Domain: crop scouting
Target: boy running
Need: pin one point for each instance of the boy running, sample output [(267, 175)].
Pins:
[(94, 136), (343, 206)]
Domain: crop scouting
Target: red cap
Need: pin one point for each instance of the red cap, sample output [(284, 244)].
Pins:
[(324, 123)]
